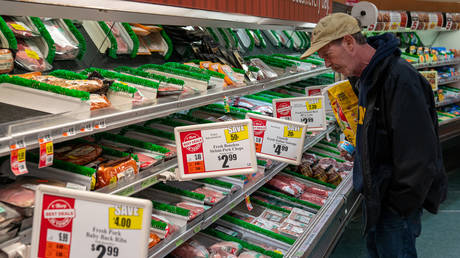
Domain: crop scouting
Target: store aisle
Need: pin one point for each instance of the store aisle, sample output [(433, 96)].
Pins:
[(440, 233)]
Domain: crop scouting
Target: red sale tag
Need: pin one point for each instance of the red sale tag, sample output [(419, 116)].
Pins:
[(18, 158), (46, 151), (100, 125)]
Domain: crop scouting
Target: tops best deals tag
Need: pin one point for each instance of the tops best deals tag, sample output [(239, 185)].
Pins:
[(309, 110), (278, 139), (217, 149)]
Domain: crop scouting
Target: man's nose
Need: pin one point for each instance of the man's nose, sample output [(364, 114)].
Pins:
[(327, 63)]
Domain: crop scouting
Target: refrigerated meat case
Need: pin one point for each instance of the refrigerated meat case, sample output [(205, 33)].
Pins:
[(323, 231)]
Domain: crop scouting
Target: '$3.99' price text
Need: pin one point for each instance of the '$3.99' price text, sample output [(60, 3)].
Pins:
[(226, 158), (104, 250)]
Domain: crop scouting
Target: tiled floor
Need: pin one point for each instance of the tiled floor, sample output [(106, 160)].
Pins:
[(440, 233)]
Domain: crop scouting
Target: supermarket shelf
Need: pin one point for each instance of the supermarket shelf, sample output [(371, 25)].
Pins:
[(137, 12), (449, 80), (29, 131), (328, 224), (437, 64), (448, 101), (449, 129), (235, 199), (140, 181)]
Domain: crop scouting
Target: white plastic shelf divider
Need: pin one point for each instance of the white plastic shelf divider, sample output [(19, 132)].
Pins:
[(29, 131), (138, 12), (236, 198)]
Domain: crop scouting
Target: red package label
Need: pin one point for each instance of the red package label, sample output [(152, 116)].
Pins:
[(259, 126), (283, 109)]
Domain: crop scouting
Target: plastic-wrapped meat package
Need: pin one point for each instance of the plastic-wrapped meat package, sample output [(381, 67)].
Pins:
[(273, 216), (122, 41), (345, 168), (317, 191), (290, 180), (320, 173), (17, 196), (147, 161), (266, 224), (291, 228), (228, 247), (283, 187), (30, 57), (191, 249), (98, 101), (6, 61), (333, 177), (195, 209), (153, 240), (65, 43), (79, 154), (264, 68), (222, 254), (171, 147), (309, 158), (20, 27), (92, 85), (211, 196), (155, 42), (242, 103), (8, 216), (301, 216), (326, 162), (266, 110), (242, 216), (170, 228), (115, 170), (313, 198), (251, 254)]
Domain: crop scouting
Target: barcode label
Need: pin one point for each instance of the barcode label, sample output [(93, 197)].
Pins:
[(100, 125), (49, 159), (22, 168)]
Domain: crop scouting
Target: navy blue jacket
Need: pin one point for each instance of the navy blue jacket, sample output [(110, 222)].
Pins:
[(398, 160)]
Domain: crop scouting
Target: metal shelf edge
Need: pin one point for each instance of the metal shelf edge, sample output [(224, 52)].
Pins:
[(124, 118)]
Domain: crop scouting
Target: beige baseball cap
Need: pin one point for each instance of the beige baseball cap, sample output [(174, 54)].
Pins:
[(330, 28)]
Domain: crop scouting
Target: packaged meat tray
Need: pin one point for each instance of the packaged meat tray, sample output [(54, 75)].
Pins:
[(292, 228), (168, 230), (64, 41), (8, 216), (79, 154), (30, 57), (242, 216), (115, 170), (6, 61), (21, 27), (301, 216), (273, 216), (91, 86), (251, 254), (124, 42), (226, 247), (284, 187), (266, 224), (153, 239), (212, 196), (194, 208), (191, 249), (313, 198)]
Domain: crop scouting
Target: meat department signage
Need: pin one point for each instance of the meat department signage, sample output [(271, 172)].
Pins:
[(293, 10)]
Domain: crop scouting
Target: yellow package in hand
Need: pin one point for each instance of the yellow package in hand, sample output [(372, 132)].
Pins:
[(344, 103)]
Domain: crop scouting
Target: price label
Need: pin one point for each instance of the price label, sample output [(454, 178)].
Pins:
[(99, 125), (32, 54), (124, 217), (309, 110), (18, 158), (18, 26), (280, 139), (319, 90), (69, 132), (46, 151), (248, 202), (216, 149), (88, 127), (72, 223)]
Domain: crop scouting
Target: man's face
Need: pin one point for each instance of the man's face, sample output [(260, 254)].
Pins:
[(338, 58)]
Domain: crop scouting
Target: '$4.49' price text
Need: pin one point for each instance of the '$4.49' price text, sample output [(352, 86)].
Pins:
[(226, 158), (104, 251)]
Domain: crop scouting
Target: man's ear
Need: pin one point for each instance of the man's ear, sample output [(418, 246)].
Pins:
[(349, 43)]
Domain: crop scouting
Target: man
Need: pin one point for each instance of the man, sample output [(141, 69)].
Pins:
[(398, 161)]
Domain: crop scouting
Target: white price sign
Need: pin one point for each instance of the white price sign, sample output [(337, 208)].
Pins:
[(72, 223), (278, 139), (320, 90), (308, 110), (217, 149)]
